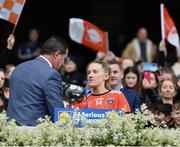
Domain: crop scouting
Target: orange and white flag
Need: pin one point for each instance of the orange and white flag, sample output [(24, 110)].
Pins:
[(88, 34), (168, 29), (10, 10)]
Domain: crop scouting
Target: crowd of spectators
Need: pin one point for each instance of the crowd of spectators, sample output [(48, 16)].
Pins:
[(117, 81)]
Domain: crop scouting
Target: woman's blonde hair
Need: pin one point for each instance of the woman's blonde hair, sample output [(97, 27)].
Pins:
[(106, 69)]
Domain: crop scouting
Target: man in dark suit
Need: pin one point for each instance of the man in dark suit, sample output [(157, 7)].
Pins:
[(132, 96), (35, 85)]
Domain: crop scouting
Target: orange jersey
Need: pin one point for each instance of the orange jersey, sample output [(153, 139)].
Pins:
[(109, 100)]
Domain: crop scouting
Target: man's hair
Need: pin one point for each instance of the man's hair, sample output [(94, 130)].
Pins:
[(163, 108), (169, 71), (176, 105), (115, 62), (54, 43)]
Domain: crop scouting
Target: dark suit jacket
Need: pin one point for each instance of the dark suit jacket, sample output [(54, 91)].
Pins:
[(35, 90), (133, 98)]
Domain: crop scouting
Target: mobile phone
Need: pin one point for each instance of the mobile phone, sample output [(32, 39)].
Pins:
[(150, 67), (147, 75)]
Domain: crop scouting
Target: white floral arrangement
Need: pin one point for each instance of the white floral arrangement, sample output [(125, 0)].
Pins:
[(127, 130)]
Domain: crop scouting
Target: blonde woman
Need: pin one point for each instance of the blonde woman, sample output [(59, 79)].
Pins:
[(101, 97), (167, 90)]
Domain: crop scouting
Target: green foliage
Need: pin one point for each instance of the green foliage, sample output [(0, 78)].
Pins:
[(128, 130)]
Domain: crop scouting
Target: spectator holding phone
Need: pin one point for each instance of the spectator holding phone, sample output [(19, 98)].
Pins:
[(150, 89)]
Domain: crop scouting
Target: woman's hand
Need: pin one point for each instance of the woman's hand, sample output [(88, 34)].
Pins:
[(10, 41), (146, 84)]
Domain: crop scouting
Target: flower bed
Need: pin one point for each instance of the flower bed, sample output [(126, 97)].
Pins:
[(127, 130)]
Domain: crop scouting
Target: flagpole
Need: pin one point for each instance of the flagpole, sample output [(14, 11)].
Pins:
[(14, 28), (107, 40), (162, 21)]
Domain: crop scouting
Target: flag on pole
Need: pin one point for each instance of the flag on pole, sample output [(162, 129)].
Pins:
[(168, 29), (86, 33), (10, 10)]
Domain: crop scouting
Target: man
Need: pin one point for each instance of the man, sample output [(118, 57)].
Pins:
[(175, 114), (35, 86), (31, 48), (162, 113), (116, 84), (140, 48), (71, 71)]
